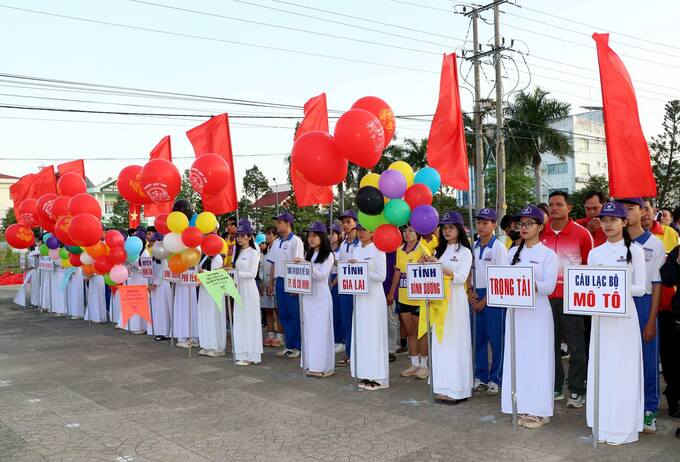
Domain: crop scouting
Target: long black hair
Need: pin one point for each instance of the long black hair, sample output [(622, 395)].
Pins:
[(462, 240), (237, 248), (324, 249), (515, 258), (628, 241)]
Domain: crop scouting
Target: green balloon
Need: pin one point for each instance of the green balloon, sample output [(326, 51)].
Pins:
[(397, 212), (108, 281), (74, 249), (371, 222), (63, 253), (44, 251)]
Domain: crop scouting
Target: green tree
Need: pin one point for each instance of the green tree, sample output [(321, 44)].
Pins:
[(9, 218), (518, 187), (255, 184), (595, 183), (119, 219), (665, 155), (530, 135), (189, 193)]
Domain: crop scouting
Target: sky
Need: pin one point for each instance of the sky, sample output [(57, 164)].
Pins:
[(249, 51)]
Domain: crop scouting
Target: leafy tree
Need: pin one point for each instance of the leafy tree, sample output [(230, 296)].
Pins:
[(666, 156), (119, 219), (594, 183), (9, 219), (530, 134), (255, 184), (518, 187), (188, 192)]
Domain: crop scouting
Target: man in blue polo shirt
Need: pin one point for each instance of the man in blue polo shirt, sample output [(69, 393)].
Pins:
[(347, 247)]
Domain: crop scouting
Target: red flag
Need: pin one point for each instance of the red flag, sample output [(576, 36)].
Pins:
[(19, 190), (134, 300), (161, 151), (213, 137), (75, 166), (133, 215), (446, 148), (316, 119), (43, 182), (629, 163)]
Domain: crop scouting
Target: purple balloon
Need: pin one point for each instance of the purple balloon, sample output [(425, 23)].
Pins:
[(424, 219), (392, 184), (52, 242)]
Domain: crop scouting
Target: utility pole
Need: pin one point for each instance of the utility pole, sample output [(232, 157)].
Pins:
[(479, 148), (500, 140)]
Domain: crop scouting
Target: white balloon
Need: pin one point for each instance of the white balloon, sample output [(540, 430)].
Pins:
[(85, 259), (159, 251), (173, 243)]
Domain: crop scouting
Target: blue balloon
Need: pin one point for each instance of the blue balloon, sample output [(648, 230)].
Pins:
[(131, 258), (430, 178), (133, 246), (192, 221), (52, 242)]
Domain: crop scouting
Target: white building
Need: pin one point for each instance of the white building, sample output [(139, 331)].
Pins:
[(5, 202), (106, 194), (586, 136)]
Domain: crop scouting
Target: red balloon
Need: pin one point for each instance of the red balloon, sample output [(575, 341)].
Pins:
[(70, 184), (359, 137), (387, 238), (60, 206), (382, 111), (19, 236), (84, 203), (101, 265), (113, 239), (61, 230), (117, 255), (192, 236), (160, 180), (74, 259), (44, 208), (85, 229), (317, 160), (129, 185), (209, 174), (161, 224), (212, 245), (418, 194), (27, 214)]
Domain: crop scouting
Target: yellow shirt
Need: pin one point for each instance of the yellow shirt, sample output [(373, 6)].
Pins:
[(431, 246), (403, 259), (669, 238), (231, 248)]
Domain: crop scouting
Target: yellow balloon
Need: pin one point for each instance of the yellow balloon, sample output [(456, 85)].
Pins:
[(177, 222), (225, 248), (405, 170), (370, 179), (65, 263), (206, 222), (190, 257)]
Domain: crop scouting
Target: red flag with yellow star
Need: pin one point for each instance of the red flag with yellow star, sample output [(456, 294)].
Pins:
[(133, 215)]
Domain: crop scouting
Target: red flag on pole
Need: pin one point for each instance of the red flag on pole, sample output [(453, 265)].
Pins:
[(446, 148), (133, 215), (75, 166), (629, 163), (161, 151), (213, 137), (42, 182), (316, 119), (19, 190)]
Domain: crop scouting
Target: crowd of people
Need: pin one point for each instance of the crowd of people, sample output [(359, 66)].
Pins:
[(369, 331)]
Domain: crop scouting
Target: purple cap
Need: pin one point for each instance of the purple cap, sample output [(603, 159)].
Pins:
[(451, 218), (244, 227), (486, 214), (613, 209), (336, 228), (360, 227), (285, 216), (534, 212), (317, 227), (632, 200), (349, 214)]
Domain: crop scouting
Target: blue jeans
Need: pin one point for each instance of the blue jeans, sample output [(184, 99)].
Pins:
[(289, 315), (337, 316), (650, 355), (490, 329), (346, 310)]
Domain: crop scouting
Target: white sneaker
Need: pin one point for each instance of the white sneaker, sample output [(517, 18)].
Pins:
[(422, 373), (203, 352), (492, 389), (215, 353), (292, 354), (282, 353), (576, 401), (184, 344), (478, 385), (649, 425), (339, 347)]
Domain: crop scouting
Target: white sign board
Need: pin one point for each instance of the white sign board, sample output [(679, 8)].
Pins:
[(188, 278), (353, 278), (146, 267), (509, 286), (46, 263), (596, 290), (425, 281), (298, 278)]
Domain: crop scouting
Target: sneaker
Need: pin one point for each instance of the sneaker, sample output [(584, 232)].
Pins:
[(182, 344), (203, 352), (282, 353), (292, 354), (215, 353), (492, 389), (244, 363), (478, 385), (576, 401), (344, 362), (558, 396), (532, 421), (650, 422), (410, 371), (422, 373), (339, 347)]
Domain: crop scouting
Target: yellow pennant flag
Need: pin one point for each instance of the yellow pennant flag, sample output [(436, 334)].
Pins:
[(438, 310)]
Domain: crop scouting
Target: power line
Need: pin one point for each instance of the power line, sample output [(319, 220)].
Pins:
[(110, 158), (417, 5)]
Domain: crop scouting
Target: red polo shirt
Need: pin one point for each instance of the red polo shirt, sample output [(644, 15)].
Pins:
[(599, 237), (572, 246)]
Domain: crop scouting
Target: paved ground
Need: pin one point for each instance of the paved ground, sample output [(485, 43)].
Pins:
[(74, 391)]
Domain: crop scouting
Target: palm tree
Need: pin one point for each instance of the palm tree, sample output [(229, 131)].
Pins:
[(529, 119)]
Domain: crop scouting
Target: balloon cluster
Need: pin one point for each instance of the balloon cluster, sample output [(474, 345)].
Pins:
[(108, 257), (186, 234), (157, 182), (359, 137), (394, 198)]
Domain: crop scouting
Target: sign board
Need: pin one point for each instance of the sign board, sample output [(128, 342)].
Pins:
[(46, 263), (146, 267), (218, 283), (170, 276), (23, 261), (509, 286), (596, 290), (425, 281), (188, 278), (353, 278), (298, 278)]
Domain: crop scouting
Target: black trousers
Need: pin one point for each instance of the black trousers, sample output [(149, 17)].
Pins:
[(669, 348), (569, 327)]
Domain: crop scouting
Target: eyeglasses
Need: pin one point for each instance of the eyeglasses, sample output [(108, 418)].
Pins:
[(526, 224)]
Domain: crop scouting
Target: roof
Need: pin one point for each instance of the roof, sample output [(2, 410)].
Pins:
[(270, 198), (8, 177)]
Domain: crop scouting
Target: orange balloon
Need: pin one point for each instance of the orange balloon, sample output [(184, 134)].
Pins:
[(176, 264), (190, 257), (87, 270), (97, 250)]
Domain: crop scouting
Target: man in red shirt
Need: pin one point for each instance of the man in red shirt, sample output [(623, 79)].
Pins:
[(572, 243), (593, 202)]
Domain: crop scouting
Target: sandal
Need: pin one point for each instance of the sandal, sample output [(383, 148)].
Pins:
[(313, 374), (343, 362), (443, 399), (533, 421), (323, 375)]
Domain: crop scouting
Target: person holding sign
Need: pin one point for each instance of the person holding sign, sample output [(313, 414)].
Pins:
[(247, 333), (535, 357), (33, 257), (161, 298), (96, 300), (452, 357), (370, 363), (412, 251), (621, 380), (349, 226), (212, 319), (58, 299), (76, 294), (319, 353), (137, 324)]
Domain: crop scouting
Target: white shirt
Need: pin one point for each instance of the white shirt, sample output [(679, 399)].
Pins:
[(282, 250), (493, 253), (655, 257), (347, 248)]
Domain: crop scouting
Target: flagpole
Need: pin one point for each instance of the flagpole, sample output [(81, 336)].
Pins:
[(473, 278)]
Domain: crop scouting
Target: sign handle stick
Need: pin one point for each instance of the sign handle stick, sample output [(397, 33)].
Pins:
[(354, 363), (191, 338), (172, 316), (596, 369), (429, 349), (303, 347), (513, 368), (231, 329), (86, 311), (153, 330)]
